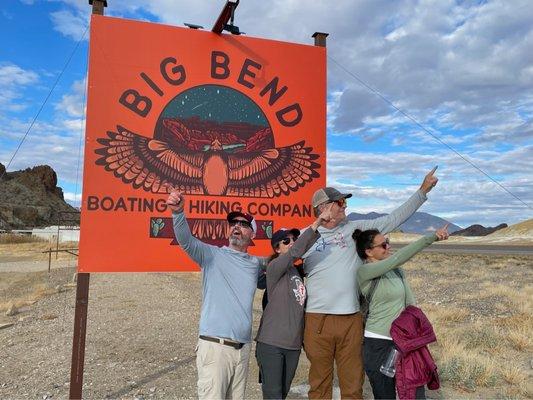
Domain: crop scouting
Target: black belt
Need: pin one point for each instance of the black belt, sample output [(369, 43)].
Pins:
[(235, 345)]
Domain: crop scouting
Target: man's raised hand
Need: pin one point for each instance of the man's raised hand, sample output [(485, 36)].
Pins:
[(175, 201), (325, 215), (430, 180)]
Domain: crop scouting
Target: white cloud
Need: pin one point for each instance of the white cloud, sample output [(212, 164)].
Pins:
[(58, 150), (72, 24), (13, 75), (54, 142), (73, 104), (13, 80), (462, 193), (73, 198)]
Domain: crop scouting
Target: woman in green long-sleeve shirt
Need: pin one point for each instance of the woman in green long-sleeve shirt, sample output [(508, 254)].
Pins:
[(390, 296)]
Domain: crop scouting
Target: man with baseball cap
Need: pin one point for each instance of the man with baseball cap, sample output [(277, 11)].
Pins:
[(229, 280), (333, 324)]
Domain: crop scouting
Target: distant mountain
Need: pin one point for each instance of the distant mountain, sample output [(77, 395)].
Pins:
[(420, 222), (478, 230)]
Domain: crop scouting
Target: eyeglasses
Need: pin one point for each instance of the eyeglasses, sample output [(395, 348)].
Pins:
[(384, 244), (240, 222)]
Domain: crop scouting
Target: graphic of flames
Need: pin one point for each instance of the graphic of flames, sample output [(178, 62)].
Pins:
[(207, 158)]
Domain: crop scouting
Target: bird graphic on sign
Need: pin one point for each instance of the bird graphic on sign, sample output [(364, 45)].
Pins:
[(214, 165)]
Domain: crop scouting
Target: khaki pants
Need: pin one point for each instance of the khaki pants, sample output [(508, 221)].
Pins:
[(222, 370), (330, 338)]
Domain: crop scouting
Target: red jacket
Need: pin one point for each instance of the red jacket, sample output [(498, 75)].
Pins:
[(412, 332)]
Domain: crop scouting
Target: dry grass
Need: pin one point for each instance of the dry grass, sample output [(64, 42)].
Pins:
[(33, 251), (466, 353), (33, 293), (520, 339), (467, 369), (20, 290), (13, 238), (513, 375), (518, 321), (481, 308), (49, 317), (517, 329), (462, 365), (480, 273), (416, 282), (440, 314), (481, 336)]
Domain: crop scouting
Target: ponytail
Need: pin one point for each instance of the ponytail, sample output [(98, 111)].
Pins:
[(363, 241)]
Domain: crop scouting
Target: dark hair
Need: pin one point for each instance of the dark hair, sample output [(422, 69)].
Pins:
[(364, 240)]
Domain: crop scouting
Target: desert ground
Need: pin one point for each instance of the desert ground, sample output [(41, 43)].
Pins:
[(142, 328)]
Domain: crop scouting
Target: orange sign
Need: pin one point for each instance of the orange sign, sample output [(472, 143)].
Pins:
[(234, 122)]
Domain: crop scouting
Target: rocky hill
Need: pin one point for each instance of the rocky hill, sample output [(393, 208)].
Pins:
[(521, 230), (31, 198), (420, 222), (478, 230)]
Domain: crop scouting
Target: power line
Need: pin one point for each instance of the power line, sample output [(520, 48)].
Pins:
[(376, 92), (45, 101)]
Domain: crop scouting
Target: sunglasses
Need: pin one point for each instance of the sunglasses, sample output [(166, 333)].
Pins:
[(241, 223), (383, 245), (287, 240), (341, 202)]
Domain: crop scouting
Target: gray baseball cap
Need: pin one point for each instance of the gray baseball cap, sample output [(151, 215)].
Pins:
[(328, 194)]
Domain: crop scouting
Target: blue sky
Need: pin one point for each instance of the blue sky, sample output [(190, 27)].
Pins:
[(463, 69)]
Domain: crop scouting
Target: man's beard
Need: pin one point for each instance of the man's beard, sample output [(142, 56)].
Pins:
[(238, 241)]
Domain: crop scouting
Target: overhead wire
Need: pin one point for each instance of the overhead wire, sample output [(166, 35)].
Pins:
[(424, 129)]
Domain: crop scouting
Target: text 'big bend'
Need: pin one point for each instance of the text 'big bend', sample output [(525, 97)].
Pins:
[(138, 100)]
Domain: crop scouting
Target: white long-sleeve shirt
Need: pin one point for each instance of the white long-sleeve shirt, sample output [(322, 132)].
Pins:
[(331, 264)]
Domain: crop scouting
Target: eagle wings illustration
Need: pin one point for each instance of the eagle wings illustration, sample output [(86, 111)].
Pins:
[(157, 167)]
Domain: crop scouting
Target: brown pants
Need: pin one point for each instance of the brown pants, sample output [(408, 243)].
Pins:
[(332, 338)]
